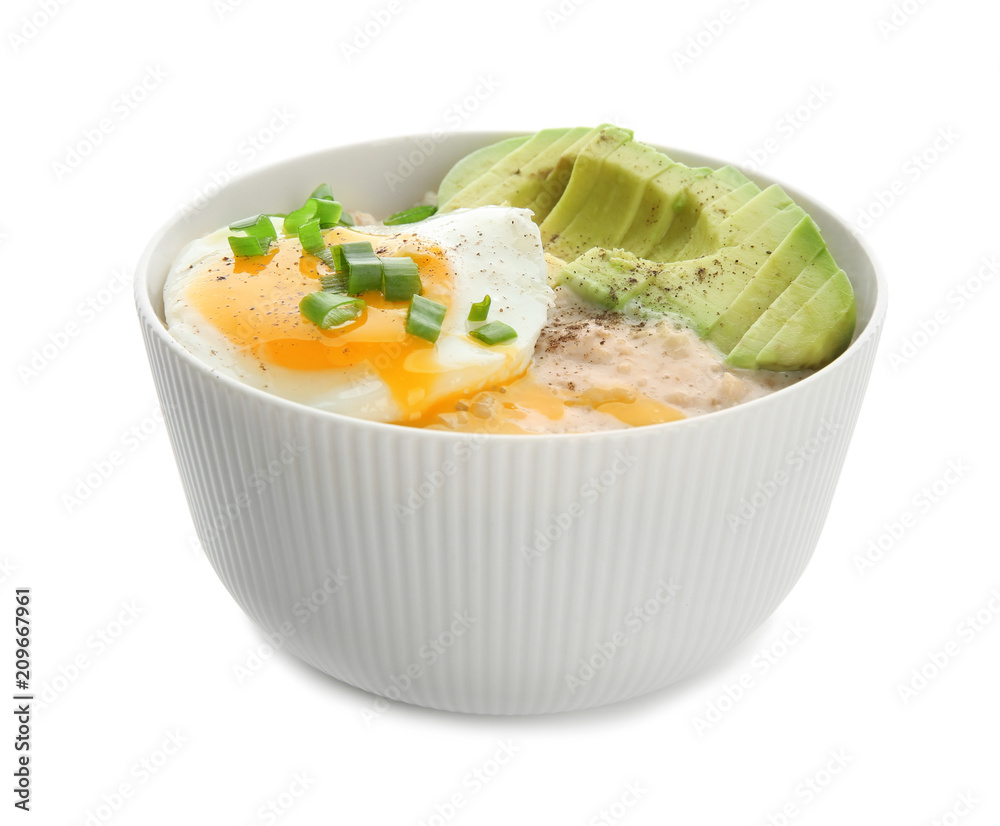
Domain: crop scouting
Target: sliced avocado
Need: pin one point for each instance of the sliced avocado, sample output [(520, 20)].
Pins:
[(817, 333), (699, 289), (603, 221), (703, 236), (815, 274), (475, 164), (700, 187), (523, 186), (783, 264), (551, 189), (607, 278), (586, 173), (509, 165)]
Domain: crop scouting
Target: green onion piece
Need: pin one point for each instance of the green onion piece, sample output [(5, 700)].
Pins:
[(496, 332), (410, 216), (346, 220), (424, 318), (326, 310), (259, 226), (311, 236), (363, 267), (328, 211), (326, 257), (334, 282), (400, 279), (296, 219), (244, 246), (480, 310), (323, 191)]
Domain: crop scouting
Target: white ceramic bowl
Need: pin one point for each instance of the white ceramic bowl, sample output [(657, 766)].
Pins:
[(497, 574)]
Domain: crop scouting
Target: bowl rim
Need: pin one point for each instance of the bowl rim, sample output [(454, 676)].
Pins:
[(153, 322)]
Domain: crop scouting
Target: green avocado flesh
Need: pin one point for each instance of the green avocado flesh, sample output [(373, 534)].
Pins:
[(746, 268)]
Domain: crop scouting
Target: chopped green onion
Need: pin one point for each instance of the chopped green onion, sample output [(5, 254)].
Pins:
[(346, 220), (259, 226), (326, 310), (480, 310), (244, 246), (410, 216), (334, 282), (400, 278), (323, 191), (311, 236), (424, 318), (363, 267), (296, 219), (496, 332), (328, 211)]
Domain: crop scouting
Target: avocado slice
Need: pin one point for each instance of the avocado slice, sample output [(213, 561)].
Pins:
[(784, 263), (603, 221), (509, 165), (523, 185), (586, 173), (815, 274), (818, 332), (551, 189), (475, 164)]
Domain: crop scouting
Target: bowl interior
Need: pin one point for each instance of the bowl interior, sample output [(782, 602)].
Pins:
[(385, 176)]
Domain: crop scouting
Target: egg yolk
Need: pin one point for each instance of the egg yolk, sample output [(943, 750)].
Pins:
[(255, 303)]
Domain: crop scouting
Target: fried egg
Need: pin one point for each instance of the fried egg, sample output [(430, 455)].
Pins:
[(241, 317)]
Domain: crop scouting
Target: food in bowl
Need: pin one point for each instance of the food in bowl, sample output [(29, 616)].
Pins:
[(551, 546), (571, 280)]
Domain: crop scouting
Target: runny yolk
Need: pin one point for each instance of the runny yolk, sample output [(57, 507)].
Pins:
[(255, 303)]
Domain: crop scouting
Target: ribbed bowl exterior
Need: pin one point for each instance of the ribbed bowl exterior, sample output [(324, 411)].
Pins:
[(504, 574)]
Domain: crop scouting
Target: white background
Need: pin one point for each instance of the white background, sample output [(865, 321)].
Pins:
[(886, 112)]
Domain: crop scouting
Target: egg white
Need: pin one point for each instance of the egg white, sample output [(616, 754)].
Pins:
[(493, 251)]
